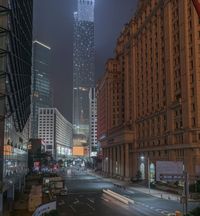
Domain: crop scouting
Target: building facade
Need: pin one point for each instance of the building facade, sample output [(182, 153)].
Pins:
[(15, 94), (114, 129), (83, 68), (41, 91), (93, 144), (56, 132), (157, 53)]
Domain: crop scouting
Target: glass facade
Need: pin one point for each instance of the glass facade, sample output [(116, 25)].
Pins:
[(83, 65), (15, 89), (15, 153), (41, 94)]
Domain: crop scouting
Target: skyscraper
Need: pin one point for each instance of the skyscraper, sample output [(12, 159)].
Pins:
[(83, 66), (93, 147), (41, 94), (15, 92)]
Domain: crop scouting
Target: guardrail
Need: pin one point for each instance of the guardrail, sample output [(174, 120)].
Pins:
[(45, 208), (119, 197)]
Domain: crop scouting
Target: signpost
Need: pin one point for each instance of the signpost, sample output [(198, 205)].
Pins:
[(171, 177), (179, 177), (174, 168)]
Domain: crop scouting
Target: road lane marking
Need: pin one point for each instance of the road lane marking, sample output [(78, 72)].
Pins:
[(91, 207), (90, 200), (73, 209), (164, 212), (159, 210)]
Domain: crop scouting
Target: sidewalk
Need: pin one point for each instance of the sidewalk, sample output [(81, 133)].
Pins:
[(131, 186)]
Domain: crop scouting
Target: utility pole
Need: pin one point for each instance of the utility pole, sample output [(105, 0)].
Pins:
[(186, 176), (185, 195)]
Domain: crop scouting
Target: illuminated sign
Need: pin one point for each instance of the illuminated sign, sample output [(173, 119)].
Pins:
[(8, 150)]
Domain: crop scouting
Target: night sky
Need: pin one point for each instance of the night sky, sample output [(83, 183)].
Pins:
[(53, 25)]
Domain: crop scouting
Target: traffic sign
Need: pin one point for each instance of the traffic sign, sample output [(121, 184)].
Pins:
[(172, 177)]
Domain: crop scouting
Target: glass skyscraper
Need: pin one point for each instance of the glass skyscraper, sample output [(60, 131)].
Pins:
[(41, 93), (83, 67), (15, 94)]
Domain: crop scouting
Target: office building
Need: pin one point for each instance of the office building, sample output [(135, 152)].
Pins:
[(56, 132), (93, 145), (15, 92), (158, 68), (83, 68), (41, 91)]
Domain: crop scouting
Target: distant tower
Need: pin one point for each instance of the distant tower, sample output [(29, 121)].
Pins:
[(83, 68), (41, 93)]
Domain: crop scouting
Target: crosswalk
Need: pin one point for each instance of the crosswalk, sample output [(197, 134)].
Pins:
[(159, 210)]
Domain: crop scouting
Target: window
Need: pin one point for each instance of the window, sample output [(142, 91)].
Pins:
[(193, 122), (49, 147)]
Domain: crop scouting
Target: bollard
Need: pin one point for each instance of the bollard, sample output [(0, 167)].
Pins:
[(177, 213)]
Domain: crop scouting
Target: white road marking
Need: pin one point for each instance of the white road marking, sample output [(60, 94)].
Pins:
[(76, 201), (92, 201), (91, 207), (73, 209), (164, 212), (158, 210)]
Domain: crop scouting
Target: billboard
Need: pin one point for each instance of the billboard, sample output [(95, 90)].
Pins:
[(8, 150), (79, 151), (168, 167), (37, 165)]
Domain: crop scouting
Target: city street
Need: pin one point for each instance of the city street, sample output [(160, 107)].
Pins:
[(86, 198)]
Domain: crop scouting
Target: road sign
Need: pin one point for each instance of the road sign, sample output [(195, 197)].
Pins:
[(171, 177), (169, 167)]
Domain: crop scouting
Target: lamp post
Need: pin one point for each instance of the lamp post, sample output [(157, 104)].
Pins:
[(148, 172)]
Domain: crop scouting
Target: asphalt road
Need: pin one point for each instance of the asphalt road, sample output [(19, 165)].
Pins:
[(86, 198)]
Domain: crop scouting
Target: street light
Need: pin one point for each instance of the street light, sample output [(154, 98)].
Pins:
[(148, 171)]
